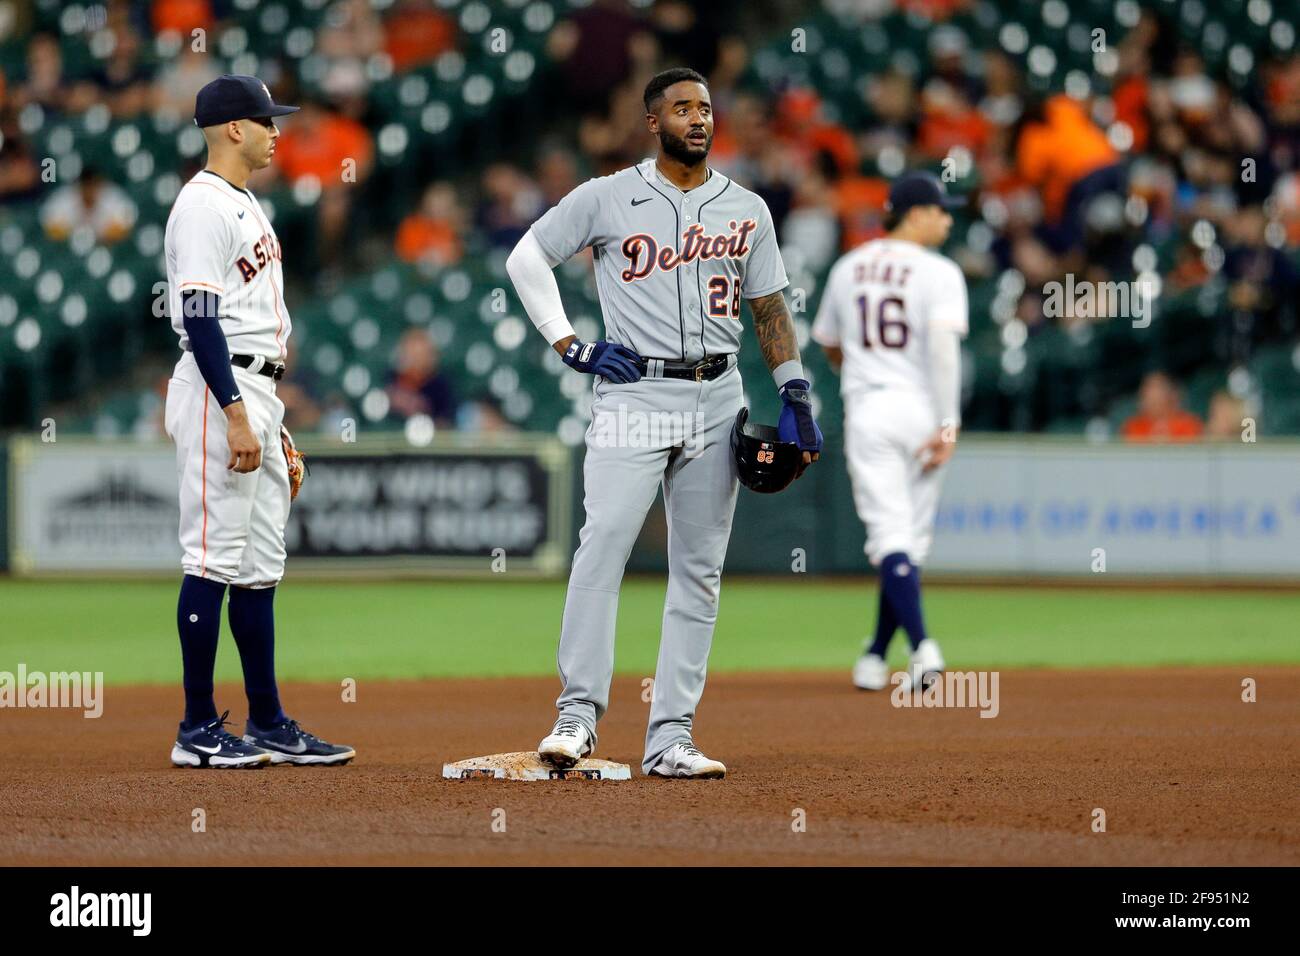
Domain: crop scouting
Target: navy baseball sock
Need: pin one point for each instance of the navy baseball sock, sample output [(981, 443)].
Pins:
[(252, 621), (886, 625), (900, 582), (198, 621)]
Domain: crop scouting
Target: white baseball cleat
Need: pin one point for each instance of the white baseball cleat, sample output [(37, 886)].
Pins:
[(870, 672), (683, 760), (926, 664), (568, 743)]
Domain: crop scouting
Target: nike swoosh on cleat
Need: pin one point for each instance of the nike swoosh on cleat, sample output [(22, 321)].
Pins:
[(299, 748), (207, 750)]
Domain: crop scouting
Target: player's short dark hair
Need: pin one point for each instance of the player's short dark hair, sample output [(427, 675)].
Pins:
[(654, 90)]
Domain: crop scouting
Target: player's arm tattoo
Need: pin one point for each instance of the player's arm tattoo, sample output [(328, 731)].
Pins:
[(775, 330)]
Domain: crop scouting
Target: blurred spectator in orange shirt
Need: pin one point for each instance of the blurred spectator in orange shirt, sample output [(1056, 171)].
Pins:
[(860, 201), (935, 10), (432, 233), (415, 33), (183, 16), (1160, 417), (1069, 159), (1131, 107), (337, 153), (799, 121), (316, 142), (948, 120)]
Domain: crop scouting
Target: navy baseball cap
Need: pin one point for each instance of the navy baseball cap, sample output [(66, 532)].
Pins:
[(233, 97), (920, 189)]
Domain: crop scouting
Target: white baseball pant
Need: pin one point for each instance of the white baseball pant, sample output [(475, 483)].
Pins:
[(232, 525), (884, 429)]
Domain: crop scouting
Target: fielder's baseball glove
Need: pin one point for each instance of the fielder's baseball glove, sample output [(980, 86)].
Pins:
[(297, 462)]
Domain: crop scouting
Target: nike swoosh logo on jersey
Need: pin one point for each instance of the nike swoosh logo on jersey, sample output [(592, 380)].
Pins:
[(207, 750), (241, 215), (637, 202)]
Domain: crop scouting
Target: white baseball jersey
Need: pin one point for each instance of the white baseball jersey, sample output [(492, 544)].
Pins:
[(219, 240), (880, 303), (232, 525)]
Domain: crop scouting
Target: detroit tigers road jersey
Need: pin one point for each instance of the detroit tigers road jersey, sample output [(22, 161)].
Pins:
[(219, 240), (880, 303), (671, 266)]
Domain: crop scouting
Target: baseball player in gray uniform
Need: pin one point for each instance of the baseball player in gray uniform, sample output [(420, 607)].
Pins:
[(676, 246)]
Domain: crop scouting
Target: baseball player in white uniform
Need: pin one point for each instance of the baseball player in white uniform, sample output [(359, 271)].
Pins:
[(676, 246), (226, 302), (891, 320)]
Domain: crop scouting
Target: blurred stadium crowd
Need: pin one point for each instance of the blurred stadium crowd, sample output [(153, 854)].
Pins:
[(1109, 141)]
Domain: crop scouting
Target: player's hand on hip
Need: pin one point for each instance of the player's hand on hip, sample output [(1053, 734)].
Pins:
[(936, 452), (618, 364), (797, 423), (245, 449)]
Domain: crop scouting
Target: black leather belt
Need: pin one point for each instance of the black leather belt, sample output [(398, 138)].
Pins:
[(705, 371), (259, 364)]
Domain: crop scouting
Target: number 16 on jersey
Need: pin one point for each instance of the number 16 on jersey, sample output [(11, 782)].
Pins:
[(889, 320)]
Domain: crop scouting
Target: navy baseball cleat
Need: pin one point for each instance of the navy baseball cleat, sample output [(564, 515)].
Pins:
[(289, 743), (211, 745)]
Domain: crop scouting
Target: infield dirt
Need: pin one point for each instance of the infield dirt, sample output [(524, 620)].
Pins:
[(1185, 771)]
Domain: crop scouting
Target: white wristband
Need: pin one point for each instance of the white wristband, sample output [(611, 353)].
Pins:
[(556, 329), (788, 371)]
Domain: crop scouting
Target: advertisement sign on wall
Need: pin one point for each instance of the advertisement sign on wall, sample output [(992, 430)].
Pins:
[(1054, 508), (111, 506)]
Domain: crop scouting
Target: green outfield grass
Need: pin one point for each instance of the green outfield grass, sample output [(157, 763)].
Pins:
[(329, 630)]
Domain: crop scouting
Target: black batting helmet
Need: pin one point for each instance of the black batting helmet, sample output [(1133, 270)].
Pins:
[(765, 463)]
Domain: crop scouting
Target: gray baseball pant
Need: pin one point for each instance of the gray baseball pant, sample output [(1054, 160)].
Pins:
[(628, 458)]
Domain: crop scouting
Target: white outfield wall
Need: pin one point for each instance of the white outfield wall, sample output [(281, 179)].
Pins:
[(1039, 507)]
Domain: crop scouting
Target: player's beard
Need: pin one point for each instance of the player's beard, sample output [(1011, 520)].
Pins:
[(257, 158), (679, 149)]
